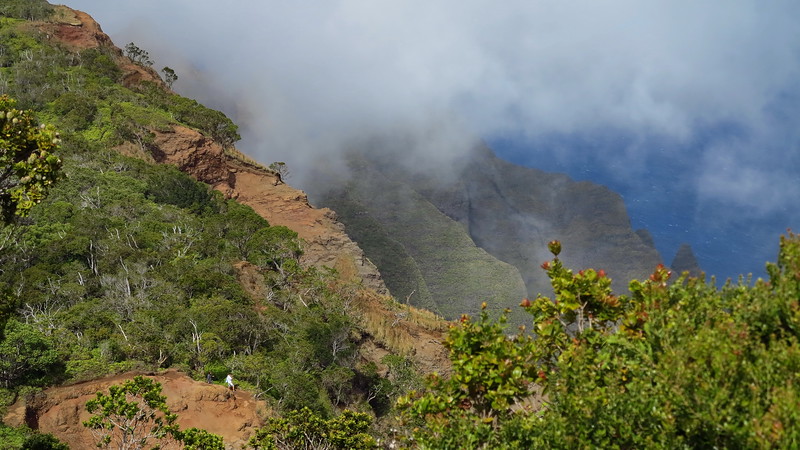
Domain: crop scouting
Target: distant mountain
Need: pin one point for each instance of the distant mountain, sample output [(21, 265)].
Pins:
[(451, 240), (685, 261)]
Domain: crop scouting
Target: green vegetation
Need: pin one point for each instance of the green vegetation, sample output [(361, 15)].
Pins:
[(137, 55), (170, 77), (24, 438), (303, 429), (28, 167), (418, 249), (680, 365), (132, 265), (129, 264), (80, 91), (26, 9)]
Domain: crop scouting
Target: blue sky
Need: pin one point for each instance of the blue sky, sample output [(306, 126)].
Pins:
[(688, 109)]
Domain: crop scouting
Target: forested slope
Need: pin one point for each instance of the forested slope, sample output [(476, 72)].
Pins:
[(129, 264)]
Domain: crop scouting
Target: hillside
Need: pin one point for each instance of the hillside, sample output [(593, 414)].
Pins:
[(130, 264)]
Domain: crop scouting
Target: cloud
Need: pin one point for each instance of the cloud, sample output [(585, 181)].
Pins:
[(543, 66), (304, 78)]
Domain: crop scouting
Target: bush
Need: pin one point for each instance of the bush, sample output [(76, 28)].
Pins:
[(679, 364), (302, 429)]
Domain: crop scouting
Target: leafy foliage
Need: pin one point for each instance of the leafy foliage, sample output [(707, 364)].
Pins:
[(131, 415), (137, 55), (27, 357), (130, 265), (26, 9), (672, 365), (28, 167), (170, 77), (197, 439), (23, 438), (302, 429)]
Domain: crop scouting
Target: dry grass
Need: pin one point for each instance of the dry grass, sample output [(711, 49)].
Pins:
[(400, 328), (237, 155)]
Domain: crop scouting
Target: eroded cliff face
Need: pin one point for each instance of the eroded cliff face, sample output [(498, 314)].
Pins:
[(230, 172), (235, 416)]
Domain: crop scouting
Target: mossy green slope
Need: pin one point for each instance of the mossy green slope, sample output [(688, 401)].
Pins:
[(387, 218)]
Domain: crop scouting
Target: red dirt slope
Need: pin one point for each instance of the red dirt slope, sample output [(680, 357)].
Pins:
[(61, 410)]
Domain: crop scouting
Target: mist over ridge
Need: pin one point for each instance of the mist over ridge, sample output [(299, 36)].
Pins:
[(688, 111)]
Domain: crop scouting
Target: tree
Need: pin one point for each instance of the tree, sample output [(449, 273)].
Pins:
[(281, 171), (170, 77), (676, 364), (197, 439), (275, 248), (137, 55), (24, 438), (27, 357), (26, 9), (135, 414), (28, 167)]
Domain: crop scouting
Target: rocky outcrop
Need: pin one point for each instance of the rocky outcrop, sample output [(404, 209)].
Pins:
[(62, 410), (431, 260), (78, 31), (387, 327), (230, 172)]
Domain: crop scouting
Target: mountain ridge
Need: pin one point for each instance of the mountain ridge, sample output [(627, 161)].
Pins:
[(508, 211)]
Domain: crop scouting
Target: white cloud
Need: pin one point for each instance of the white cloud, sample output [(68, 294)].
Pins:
[(541, 66), (303, 78)]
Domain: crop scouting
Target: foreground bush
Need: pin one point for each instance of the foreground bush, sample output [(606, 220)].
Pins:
[(680, 364)]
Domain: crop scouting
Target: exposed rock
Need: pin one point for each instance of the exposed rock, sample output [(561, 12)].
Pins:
[(78, 31), (61, 410), (230, 172), (513, 211), (325, 242), (455, 275)]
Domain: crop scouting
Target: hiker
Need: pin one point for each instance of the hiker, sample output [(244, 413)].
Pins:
[(229, 382), (209, 378)]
